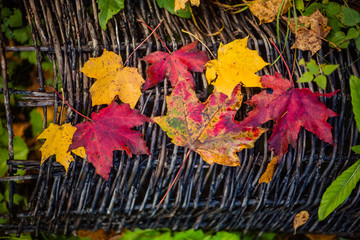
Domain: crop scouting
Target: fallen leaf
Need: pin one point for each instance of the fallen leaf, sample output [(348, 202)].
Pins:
[(236, 63), (107, 9), (300, 219), (270, 170), (108, 131), (175, 66), (291, 108), (266, 11), (309, 32), (181, 4), (112, 79), (314, 236), (207, 128), (19, 128), (58, 138)]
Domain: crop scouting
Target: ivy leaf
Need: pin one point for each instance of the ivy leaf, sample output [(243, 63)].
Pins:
[(58, 138), (306, 77), (236, 63), (170, 6), (207, 128), (175, 66), (339, 190), (108, 8), (15, 20), (266, 11), (351, 16), (328, 69), (291, 108), (112, 79), (108, 131), (313, 67), (321, 81)]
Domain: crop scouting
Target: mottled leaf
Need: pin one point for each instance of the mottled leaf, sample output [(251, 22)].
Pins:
[(300, 219), (207, 128)]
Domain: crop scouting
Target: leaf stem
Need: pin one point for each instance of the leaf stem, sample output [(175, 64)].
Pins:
[(282, 58), (143, 41), (155, 35), (176, 177), (69, 105), (199, 41)]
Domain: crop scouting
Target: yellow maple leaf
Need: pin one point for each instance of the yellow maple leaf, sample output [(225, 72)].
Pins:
[(181, 4), (113, 79), (58, 138), (269, 172), (267, 10), (236, 63)]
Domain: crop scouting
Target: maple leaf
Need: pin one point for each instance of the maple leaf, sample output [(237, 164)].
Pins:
[(236, 63), (181, 4), (112, 79), (291, 108), (309, 32), (174, 65), (266, 11), (110, 130), (207, 128), (58, 138)]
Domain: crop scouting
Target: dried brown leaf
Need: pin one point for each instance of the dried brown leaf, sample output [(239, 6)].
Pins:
[(300, 219)]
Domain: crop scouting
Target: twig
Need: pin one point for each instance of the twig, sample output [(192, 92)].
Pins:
[(143, 41), (287, 67), (176, 177), (69, 105), (199, 41), (156, 35)]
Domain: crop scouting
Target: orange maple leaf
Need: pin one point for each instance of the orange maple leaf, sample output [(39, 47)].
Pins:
[(113, 79)]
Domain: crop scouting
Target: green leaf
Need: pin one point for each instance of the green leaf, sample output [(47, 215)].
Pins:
[(339, 190), (306, 77), (15, 20), (222, 235), (329, 68), (4, 155), (351, 16), (353, 33), (3, 207), (311, 9), (5, 12), (302, 62), (21, 150), (30, 56), (191, 234), (321, 81), (357, 43), (332, 8), (339, 40), (36, 121), (170, 5), (20, 35), (356, 149), (108, 8), (355, 98), (313, 67), (300, 5)]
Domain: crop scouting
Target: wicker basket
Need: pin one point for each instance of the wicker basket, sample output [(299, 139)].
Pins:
[(207, 197)]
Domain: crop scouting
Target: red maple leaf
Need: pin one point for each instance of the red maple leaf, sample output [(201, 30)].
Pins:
[(291, 108), (174, 65), (110, 130)]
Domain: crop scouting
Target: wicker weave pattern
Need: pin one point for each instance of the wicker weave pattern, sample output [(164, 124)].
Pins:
[(207, 197)]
